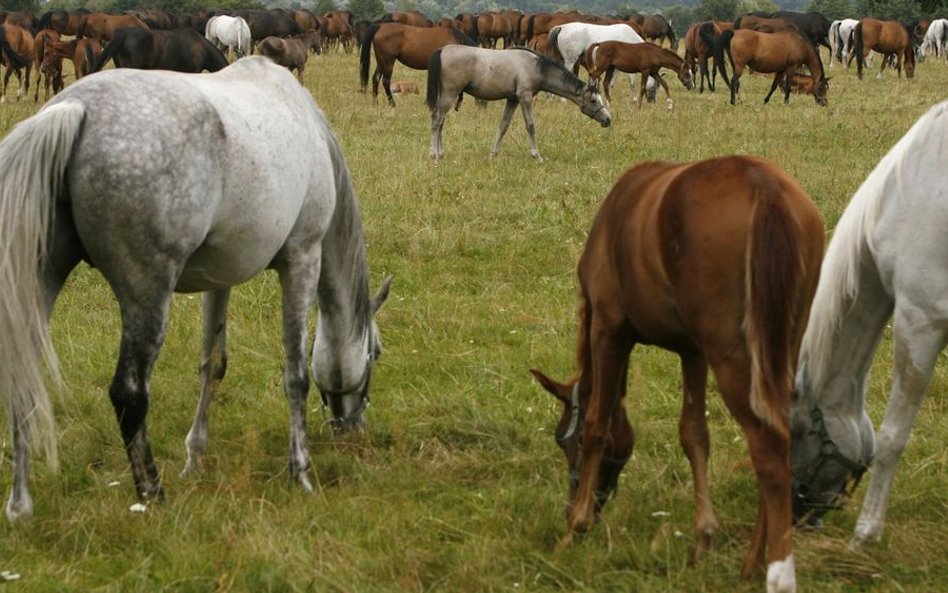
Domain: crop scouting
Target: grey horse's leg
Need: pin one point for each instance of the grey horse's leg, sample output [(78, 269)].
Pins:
[(144, 320), (526, 105), (213, 367), (298, 279), (437, 126), (504, 124)]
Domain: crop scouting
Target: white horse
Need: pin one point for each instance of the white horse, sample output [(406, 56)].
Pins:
[(841, 37), (935, 38), (198, 185), (573, 39), (229, 33), (887, 259)]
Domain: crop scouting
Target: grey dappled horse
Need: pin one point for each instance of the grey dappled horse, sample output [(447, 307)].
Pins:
[(516, 75), (887, 260), (172, 182)]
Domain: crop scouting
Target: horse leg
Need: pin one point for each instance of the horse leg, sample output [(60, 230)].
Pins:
[(610, 354), (643, 88), (661, 81), (693, 435), (778, 78), (526, 106), (504, 124), (769, 448), (735, 86), (213, 367), (918, 342), (437, 125), (298, 279)]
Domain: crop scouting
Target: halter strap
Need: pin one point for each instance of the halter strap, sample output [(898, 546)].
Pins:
[(325, 393)]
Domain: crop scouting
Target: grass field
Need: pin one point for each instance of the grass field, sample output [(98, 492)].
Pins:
[(458, 486)]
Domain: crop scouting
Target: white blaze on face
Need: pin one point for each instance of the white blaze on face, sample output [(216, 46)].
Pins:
[(781, 576)]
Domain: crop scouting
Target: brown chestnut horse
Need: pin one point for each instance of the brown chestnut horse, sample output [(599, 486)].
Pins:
[(646, 58), (889, 38), (780, 53), (409, 45), (64, 22), (716, 261), (101, 26), (699, 48), (655, 28), (50, 73), (16, 53), (82, 52)]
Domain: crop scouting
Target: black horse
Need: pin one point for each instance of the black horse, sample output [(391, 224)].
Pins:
[(275, 22), (181, 50)]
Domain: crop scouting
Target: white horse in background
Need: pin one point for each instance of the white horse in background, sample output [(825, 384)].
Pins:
[(887, 260), (936, 37), (229, 33), (841, 36), (573, 39)]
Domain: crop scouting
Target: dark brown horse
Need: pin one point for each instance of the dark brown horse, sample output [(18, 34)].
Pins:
[(716, 261), (181, 50), (82, 52), (889, 38), (291, 52), (64, 22), (412, 46), (656, 28), (699, 48), (646, 58), (16, 53), (780, 53), (492, 26)]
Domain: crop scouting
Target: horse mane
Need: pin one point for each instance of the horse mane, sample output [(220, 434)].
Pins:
[(851, 244), (461, 37)]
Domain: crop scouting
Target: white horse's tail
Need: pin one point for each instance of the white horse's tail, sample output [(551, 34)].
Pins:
[(33, 160)]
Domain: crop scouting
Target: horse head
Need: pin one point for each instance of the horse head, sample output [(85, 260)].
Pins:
[(820, 90), (830, 453), (686, 75), (592, 106), (569, 437)]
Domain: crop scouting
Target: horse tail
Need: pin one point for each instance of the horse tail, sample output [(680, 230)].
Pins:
[(860, 60), (364, 55), (33, 159), (434, 79), (11, 54), (90, 59), (722, 45), (530, 21), (553, 43), (774, 271), (106, 55)]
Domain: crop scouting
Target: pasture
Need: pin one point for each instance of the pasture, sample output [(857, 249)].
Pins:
[(457, 485)]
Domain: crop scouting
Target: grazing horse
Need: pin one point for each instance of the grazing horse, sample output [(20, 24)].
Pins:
[(181, 50), (229, 33), (573, 39), (292, 52), (336, 27), (274, 22), (656, 28), (412, 46), (889, 38), (780, 53), (886, 261), (516, 75), (936, 37), (199, 204), (646, 58), (715, 261), (16, 52), (699, 48)]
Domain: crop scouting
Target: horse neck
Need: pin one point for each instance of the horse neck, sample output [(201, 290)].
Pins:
[(671, 60), (813, 62), (561, 82)]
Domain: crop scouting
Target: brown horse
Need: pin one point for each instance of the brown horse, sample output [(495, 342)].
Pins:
[(412, 46), (101, 26), (336, 28), (716, 261), (16, 49), (291, 52), (699, 48), (492, 27), (780, 53), (646, 58), (64, 22), (414, 18), (51, 73), (656, 28), (889, 38), (82, 52)]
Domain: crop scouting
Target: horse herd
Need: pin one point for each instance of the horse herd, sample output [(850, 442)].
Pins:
[(719, 261)]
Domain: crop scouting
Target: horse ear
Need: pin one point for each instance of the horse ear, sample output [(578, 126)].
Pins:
[(559, 390), (379, 298)]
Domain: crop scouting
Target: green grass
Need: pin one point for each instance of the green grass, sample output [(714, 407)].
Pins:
[(458, 486)]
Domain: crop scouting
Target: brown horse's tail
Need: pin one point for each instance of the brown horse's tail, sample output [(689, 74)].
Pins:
[(89, 53), (365, 57), (721, 46), (553, 45), (96, 65), (860, 60), (774, 274), (434, 79)]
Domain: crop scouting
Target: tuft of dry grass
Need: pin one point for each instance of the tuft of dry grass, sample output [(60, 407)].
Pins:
[(458, 486)]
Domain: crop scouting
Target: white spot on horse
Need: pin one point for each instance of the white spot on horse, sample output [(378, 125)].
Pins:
[(781, 576)]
